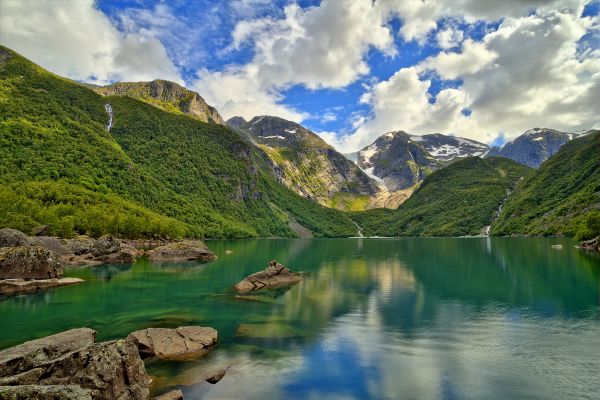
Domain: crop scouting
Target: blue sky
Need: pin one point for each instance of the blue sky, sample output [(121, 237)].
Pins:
[(348, 70)]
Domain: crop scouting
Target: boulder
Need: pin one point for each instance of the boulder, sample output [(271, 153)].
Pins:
[(29, 262), (105, 245), (40, 392), (590, 245), (35, 353), (172, 395), (125, 255), (188, 250), (275, 275), (40, 230), (49, 242), (186, 342), (20, 286), (12, 238), (108, 370), (217, 376)]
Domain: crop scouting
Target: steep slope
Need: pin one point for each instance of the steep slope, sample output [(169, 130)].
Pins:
[(307, 164), (401, 160), (460, 199), (155, 173), (533, 147), (166, 95), (559, 196)]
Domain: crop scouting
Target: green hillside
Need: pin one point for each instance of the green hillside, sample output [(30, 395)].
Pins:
[(154, 174), (456, 200), (560, 197)]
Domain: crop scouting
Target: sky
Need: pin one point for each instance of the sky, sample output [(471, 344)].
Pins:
[(350, 70)]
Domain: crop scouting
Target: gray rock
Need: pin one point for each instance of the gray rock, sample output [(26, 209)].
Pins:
[(185, 342), (12, 238), (29, 262), (172, 395), (20, 286), (40, 230), (49, 242), (34, 353), (40, 392), (109, 370), (188, 250), (275, 275), (104, 246)]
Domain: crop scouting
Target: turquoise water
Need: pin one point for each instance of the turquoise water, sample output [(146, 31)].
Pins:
[(472, 318)]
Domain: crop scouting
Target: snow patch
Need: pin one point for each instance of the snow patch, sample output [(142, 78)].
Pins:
[(274, 137), (369, 152), (370, 174), (290, 130), (416, 138), (445, 150), (258, 120), (538, 139)]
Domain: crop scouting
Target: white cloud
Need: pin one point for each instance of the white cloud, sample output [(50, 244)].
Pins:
[(318, 47), (75, 39), (449, 38), (527, 73)]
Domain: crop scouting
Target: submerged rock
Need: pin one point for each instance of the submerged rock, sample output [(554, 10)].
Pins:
[(41, 392), (172, 395), (29, 262), (12, 238), (214, 379), (183, 343), (188, 250), (590, 245), (107, 370), (20, 286), (275, 275)]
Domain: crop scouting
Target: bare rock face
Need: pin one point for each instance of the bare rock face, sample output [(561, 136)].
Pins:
[(172, 395), (20, 286), (29, 262), (275, 275), (186, 342), (40, 392), (188, 250), (12, 238), (107, 370)]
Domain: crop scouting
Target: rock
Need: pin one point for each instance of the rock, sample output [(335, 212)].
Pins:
[(51, 243), (557, 246), (20, 286), (31, 262), (183, 343), (39, 392), (35, 353), (188, 250), (172, 395), (12, 238), (80, 245), (109, 370), (228, 252), (126, 255), (40, 230), (275, 275), (217, 376), (590, 245), (104, 246)]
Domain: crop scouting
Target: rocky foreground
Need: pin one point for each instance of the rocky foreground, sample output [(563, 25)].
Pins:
[(72, 365), (590, 245), (32, 263)]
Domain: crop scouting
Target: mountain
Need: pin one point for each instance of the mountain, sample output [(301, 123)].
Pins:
[(533, 147), (307, 164), (400, 160), (85, 163), (559, 196), (165, 95), (459, 199)]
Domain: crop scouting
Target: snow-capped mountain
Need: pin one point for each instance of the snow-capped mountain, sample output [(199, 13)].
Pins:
[(400, 160), (534, 147)]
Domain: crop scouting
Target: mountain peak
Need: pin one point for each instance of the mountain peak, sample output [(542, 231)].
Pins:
[(167, 95)]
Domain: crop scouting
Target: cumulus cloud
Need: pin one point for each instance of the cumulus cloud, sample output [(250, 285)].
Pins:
[(527, 73), (449, 38), (318, 47), (75, 39)]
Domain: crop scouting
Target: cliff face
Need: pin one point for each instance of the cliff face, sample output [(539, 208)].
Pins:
[(166, 95), (308, 165)]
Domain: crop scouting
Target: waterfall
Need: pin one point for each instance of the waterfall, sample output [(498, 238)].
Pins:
[(109, 111)]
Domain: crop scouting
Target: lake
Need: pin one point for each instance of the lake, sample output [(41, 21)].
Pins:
[(440, 318)]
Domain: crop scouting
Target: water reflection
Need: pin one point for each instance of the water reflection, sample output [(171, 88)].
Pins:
[(425, 318)]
